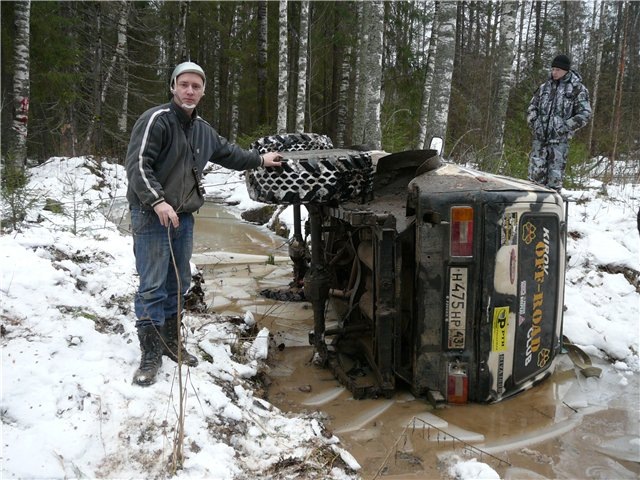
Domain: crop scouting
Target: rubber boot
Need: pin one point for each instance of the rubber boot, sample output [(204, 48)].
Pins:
[(151, 358), (170, 345)]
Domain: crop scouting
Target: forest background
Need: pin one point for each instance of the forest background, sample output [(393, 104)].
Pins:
[(76, 75)]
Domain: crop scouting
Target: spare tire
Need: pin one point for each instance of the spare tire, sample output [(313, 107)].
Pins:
[(292, 142), (319, 177)]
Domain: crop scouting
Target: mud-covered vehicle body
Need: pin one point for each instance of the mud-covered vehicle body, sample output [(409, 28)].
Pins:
[(445, 278)]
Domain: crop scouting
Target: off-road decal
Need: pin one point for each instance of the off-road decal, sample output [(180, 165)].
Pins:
[(538, 280)]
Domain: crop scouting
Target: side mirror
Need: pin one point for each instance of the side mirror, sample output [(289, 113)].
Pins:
[(437, 144)]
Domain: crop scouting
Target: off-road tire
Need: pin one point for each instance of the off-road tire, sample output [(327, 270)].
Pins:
[(313, 177), (292, 142)]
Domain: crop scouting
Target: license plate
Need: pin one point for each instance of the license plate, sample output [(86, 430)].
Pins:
[(457, 307)]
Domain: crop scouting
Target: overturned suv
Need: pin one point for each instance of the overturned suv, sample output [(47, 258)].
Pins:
[(423, 272)]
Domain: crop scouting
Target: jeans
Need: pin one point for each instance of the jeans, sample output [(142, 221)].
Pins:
[(162, 285)]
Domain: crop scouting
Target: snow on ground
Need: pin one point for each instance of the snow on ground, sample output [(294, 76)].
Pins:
[(69, 350), (69, 346), (602, 281)]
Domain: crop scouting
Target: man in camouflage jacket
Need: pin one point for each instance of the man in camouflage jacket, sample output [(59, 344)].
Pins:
[(559, 107)]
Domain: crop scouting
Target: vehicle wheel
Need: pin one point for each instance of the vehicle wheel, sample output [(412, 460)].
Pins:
[(324, 176), (292, 142)]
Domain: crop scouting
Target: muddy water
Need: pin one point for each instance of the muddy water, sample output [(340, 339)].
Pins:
[(569, 427)]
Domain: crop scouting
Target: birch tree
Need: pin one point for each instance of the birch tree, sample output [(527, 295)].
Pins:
[(283, 69), (504, 65), (121, 56), (618, 93), (182, 53), (21, 90), (360, 75), (235, 72), (426, 87), (598, 46), (302, 66), (520, 35), (118, 58), (262, 61), (215, 81), (443, 64), (372, 130), (343, 90)]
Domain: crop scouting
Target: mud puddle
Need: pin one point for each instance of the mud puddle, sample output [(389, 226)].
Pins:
[(568, 427)]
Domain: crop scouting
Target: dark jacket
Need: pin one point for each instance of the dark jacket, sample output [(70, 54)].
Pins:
[(167, 154), (558, 109)]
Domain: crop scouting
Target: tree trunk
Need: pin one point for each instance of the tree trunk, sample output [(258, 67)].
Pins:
[(357, 134), (520, 34), (181, 32), (262, 62), (441, 90), (617, 112), (333, 104), (537, 44), (120, 55), (598, 46), (504, 70), (566, 28), (303, 41), (283, 70), (21, 88), (234, 76), (91, 143), (215, 83), (341, 119), (372, 130), (428, 82)]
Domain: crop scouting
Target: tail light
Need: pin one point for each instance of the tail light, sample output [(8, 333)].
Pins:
[(461, 233), (457, 383)]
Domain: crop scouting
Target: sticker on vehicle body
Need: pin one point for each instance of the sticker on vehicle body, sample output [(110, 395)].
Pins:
[(509, 229), (457, 308), (499, 329)]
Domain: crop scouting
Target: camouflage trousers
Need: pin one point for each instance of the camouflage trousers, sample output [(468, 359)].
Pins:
[(547, 163)]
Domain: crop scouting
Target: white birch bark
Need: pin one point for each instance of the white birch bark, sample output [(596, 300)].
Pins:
[(341, 120), (181, 32), (428, 81), (372, 130), (121, 56), (302, 66), (505, 73), (359, 104), (214, 88), (521, 33), (283, 70), (122, 43), (262, 61), (234, 74), (21, 85), (118, 57), (441, 86)]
